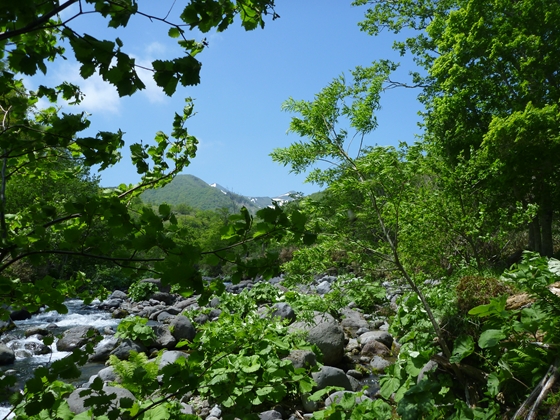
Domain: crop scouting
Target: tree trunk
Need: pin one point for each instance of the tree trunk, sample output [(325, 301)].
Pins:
[(535, 235), (545, 219)]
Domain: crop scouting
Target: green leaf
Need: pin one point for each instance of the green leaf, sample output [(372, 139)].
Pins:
[(174, 32), (490, 338), (463, 347)]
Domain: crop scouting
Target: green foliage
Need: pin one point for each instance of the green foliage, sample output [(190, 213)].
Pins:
[(350, 407), (137, 374), (142, 290), (135, 328)]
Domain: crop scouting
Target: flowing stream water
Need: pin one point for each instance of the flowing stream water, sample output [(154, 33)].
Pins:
[(26, 361)]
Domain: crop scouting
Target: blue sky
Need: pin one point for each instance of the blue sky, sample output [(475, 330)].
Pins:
[(245, 78)]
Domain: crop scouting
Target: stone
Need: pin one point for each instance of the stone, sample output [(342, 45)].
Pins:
[(164, 338), (187, 409), (7, 355), (362, 330), (353, 346), (381, 336), (103, 349), (373, 348), (201, 319), (107, 374), (162, 316), (166, 298), (37, 331), (215, 411), (75, 337), (355, 384), (331, 376), (337, 396), (270, 415), (37, 348), (353, 319), (323, 288), (318, 318), (20, 315), (302, 358), (119, 313), (170, 357), (379, 364), (214, 314), (76, 402), (284, 311), (355, 374), (308, 405), (118, 294), (215, 302), (329, 337), (182, 328), (122, 352), (111, 304)]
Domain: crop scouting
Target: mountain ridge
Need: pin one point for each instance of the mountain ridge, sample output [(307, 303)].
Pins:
[(192, 191)]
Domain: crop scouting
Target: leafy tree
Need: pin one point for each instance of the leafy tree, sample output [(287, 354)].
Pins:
[(383, 178), (34, 143), (491, 95)]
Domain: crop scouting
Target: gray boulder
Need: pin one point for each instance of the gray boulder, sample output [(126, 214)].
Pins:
[(379, 364), (302, 358), (75, 337), (103, 349), (336, 397), (353, 319), (375, 348), (164, 339), (270, 415), (166, 298), (122, 352), (323, 288), (331, 376), (7, 355), (182, 328), (20, 315), (112, 303), (118, 294), (318, 318), (77, 402), (329, 337), (107, 374), (162, 316), (284, 311), (381, 336), (170, 357)]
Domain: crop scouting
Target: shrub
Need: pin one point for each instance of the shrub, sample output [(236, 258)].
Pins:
[(142, 290), (478, 290)]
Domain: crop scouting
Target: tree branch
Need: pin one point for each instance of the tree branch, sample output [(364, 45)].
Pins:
[(37, 23)]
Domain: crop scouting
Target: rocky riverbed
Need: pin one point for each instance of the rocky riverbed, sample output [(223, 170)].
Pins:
[(355, 346)]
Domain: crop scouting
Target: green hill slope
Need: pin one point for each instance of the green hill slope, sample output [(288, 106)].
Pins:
[(193, 191)]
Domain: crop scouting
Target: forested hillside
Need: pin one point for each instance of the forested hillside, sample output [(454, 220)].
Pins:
[(194, 192), (436, 256)]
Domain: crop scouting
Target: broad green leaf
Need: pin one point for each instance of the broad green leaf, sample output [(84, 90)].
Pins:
[(490, 338), (463, 347)]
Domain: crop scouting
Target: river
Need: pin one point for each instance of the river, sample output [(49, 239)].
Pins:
[(26, 362)]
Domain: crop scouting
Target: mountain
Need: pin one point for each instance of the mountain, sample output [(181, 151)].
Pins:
[(194, 192)]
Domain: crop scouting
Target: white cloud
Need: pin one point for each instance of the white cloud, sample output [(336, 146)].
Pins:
[(99, 96), (152, 91)]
